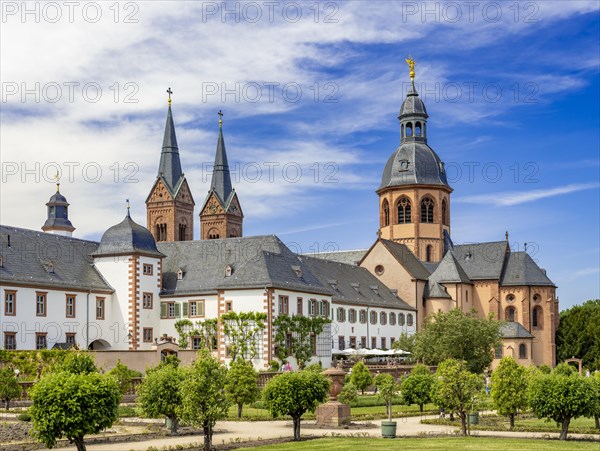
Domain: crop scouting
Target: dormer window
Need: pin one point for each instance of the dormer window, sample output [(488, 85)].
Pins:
[(333, 283), (356, 286), (1, 262), (297, 270), (228, 271), (50, 267), (179, 274), (375, 289)]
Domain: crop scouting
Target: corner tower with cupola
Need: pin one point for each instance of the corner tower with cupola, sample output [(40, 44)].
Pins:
[(221, 214), (170, 205), (414, 195)]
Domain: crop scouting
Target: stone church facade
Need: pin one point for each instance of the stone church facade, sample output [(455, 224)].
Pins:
[(128, 291)]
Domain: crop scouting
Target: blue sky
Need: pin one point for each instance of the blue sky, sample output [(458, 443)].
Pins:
[(512, 93)]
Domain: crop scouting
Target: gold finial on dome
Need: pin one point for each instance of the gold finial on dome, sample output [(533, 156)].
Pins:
[(411, 64), (57, 179)]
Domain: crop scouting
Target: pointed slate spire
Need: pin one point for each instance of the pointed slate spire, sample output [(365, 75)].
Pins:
[(221, 179), (170, 165)]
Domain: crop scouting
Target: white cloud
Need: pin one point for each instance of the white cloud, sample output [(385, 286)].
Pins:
[(510, 198)]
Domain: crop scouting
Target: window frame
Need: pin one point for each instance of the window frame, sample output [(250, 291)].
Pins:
[(373, 317), (44, 296), (69, 296), (299, 306), (12, 293), (410, 321), (100, 305), (427, 210), (70, 335), (145, 338), (13, 336), (145, 296), (147, 269), (39, 335), (283, 305)]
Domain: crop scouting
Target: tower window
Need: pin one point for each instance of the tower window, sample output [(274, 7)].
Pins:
[(386, 213), (402, 131), (536, 318), (510, 314), (161, 232), (404, 211), (182, 232), (409, 130), (522, 351), (429, 253), (427, 210), (418, 129), (445, 213)]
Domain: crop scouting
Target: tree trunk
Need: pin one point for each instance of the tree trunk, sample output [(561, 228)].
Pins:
[(389, 410), (597, 420), (7, 400), (79, 443), (512, 421), (240, 410), (564, 429), (451, 416), (208, 432), (296, 428), (421, 407), (463, 423), (174, 424)]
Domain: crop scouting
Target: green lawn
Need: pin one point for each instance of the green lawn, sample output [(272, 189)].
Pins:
[(442, 443)]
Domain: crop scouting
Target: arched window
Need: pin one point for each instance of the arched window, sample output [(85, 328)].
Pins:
[(401, 320), (409, 319), (522, 351), (537, 318), (386, 213), (402, 131), (409, 130), (404, 210), (429, 253), (427, 210), (392, 319), (418, 129), (445, 213), (383, 318), (510, 314)]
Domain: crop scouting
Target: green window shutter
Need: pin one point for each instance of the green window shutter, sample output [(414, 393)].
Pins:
[(163, 310), (185, 309), (177, 310), (200, 307)]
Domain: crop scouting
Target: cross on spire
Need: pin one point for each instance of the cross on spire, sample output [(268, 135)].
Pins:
[(220, 113), (57, 179), (128, 207), (169, 91)]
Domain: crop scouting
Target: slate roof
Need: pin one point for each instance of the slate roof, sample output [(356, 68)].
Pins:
[(347, 257), (482, 261), (407, 259), (450, 271), (353, 285), (435, 290), (127, 237), (169, 168), (257, 262), (412, 105), (521, 269), (221, 178), (27, 260), (413, 163), (513, 329)]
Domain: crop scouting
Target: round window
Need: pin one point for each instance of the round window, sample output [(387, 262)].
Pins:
[(510, 298), (379, 270), (537, 298)]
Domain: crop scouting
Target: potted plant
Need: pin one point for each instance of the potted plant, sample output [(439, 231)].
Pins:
[(474, 413), (387, 388)]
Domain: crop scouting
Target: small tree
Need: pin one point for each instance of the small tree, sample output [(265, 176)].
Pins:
[(123, 375), (455, 387), (561, 397), (349, 394), (9, 386), (77, 362), (416, 388), (294, 394), (160, 393), (509, 388), (203, 397), (361, 377), (242, 384), (73, 406), (388, 388)]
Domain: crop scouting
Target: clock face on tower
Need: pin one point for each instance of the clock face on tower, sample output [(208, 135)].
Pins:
[(213, 208)]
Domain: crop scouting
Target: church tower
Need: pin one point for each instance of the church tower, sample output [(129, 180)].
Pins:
[(221, 215), (170, 205), (414, 195), (58, 215)]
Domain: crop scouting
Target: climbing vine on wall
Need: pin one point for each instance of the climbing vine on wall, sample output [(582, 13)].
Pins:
[(243, 333), (296, 336)]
